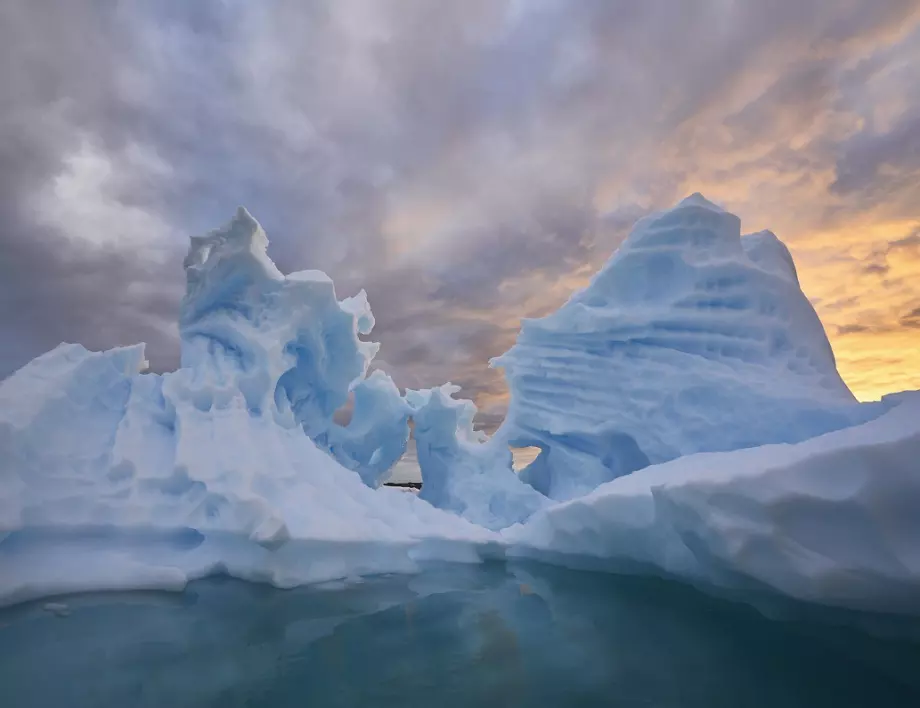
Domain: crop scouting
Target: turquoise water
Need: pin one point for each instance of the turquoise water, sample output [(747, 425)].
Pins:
[(490, 635)]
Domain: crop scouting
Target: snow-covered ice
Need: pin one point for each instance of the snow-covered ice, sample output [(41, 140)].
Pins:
[(687, 403)]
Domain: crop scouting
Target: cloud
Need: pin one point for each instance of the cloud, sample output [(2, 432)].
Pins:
[(909, 241), (911, 319), (876, 268), (852, 329), (468, 163)]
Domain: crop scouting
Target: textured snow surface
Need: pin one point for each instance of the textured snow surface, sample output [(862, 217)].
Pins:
[(692, 338), (834, 519), (683, 364)]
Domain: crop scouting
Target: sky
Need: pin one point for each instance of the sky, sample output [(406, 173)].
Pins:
[(468, 163)]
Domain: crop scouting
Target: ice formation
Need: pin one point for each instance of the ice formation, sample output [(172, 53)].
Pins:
[(834, 519), (285, 343), (462, 471), (378, 433), (687, 404), (113, 477), (692, 338)]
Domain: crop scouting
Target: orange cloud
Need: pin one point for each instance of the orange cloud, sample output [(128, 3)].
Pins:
[(863, 281)]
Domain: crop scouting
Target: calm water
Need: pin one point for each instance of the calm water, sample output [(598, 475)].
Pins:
[(453, 636)]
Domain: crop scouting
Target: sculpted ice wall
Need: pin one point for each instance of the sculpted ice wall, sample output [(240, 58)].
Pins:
[(378, 433), (463, 471), (692, 338), (239, 440), (288, 345)]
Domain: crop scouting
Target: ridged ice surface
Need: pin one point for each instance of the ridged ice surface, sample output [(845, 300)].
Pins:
[(692, 338), (834, 519)]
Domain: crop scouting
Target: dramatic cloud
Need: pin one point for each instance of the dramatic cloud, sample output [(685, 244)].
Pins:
[(468, 163)]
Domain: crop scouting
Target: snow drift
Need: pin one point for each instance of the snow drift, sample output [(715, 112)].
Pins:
[(687, 404)]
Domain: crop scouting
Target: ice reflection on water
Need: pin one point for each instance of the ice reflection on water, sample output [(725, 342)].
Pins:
[(491, 635)]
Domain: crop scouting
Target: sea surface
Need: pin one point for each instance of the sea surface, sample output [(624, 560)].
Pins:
[(453, 635)]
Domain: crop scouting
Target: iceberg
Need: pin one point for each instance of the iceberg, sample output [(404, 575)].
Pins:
[(687, 406), (378, 433), (692, 338), (832, 520), (462, 470), (110, 477)]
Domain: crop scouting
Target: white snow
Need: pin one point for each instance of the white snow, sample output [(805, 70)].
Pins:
[(693, 365)]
